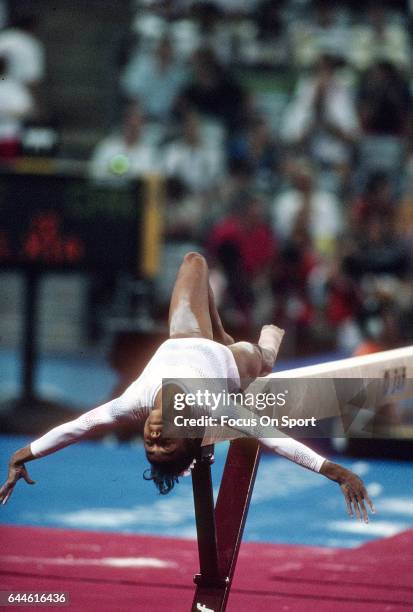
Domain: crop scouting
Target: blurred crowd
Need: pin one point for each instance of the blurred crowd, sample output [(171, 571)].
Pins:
[(284, 133)]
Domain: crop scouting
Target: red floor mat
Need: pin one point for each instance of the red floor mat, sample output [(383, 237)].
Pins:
[(104, 571)]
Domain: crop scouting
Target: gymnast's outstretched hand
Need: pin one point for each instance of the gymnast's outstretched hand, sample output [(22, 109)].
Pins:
[(17, 470), (352, 487)]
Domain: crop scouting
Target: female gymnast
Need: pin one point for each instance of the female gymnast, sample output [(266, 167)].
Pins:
[(198, 347)]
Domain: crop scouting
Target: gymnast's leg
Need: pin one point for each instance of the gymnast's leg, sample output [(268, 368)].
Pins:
[(220, 335), (254, 360), (192, 311)]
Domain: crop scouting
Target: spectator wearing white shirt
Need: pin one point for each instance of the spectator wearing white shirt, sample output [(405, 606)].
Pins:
[(199, 164), (154, 79), (16, 104), (383, 37), (125, 155), (322, 117), (319, 210), (325, 32), (25, 53)]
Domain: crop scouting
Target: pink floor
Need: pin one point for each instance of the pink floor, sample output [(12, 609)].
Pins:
[(103, 571)]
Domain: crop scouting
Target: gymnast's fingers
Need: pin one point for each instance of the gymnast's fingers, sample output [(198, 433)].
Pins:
[(363, 509), (26, 477), (5, 492), (353, 498), (347, 498), (370, 503), (348, 502)]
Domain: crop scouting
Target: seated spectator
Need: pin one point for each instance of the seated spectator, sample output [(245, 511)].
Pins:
[(384, 100), (184, 214), (322, 117), (198, 164), (266, 44), (24, 52), (404, 217), (297, 261), (257, 148), (16, 104), (384, 108), (127, 154), (319, 209), (381, 38), (340, 300), (377, 249), (244, 248), (213, 30), (376, 198), (213, 91), (325, 32), (154, 79), (379, 320), (343, 299), (184, 222)]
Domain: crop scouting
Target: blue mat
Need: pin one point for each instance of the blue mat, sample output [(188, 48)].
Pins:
[(99, 486)]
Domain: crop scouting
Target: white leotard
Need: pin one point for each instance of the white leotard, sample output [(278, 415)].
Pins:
[(182, 358)]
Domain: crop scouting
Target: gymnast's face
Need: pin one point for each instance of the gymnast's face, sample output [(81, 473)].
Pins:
[(158, 447)]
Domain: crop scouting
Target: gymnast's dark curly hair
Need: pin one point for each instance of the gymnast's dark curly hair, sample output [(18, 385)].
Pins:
[(165, 474)]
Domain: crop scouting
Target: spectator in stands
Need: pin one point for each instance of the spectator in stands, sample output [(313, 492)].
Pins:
[(154, 79), (381, 38), (25, 53), (322, 117), (16, 104), (379, 319), (376, 199), (239, 179), (213, 91), (184, 223), (213, 31), (384, 108), (244, 248), (269, 46), (320, 210), (341, 299), (325, 32), (404, 215), (184, 213), (127, 154), (384, 100), (198, 163), (291, 277), (256, 147), (377, 250)]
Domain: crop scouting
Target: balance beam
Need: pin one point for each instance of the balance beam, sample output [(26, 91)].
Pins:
[(220, 528)]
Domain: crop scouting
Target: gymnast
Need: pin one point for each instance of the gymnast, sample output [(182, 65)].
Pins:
[(198, 348)]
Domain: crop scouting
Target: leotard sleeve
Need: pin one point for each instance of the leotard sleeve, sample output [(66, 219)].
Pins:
[(279, 442), (295, 451), (101, 419)]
